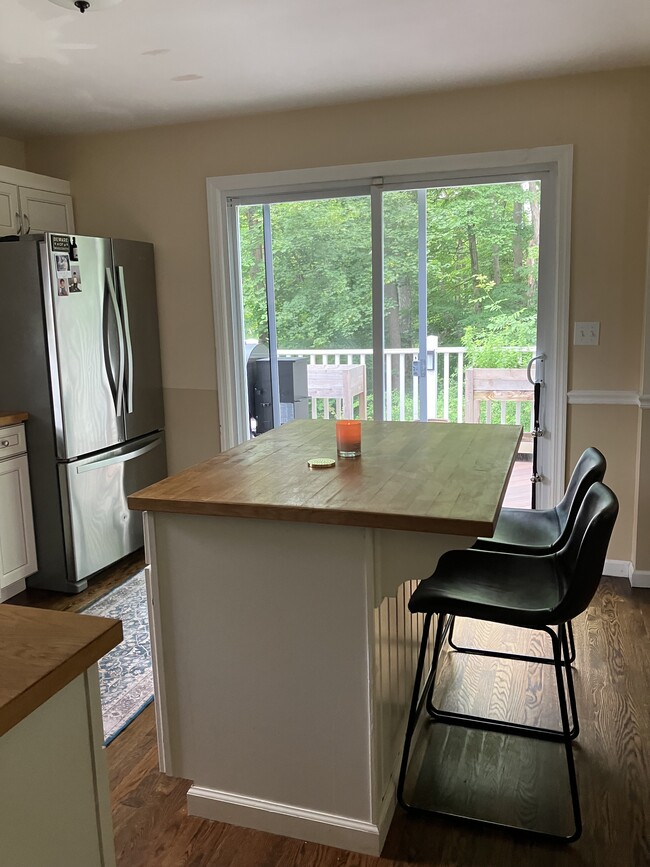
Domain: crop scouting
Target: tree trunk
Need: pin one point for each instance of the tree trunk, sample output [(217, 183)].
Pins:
[(256, 272), (473, 259), (534, 218), (532, 272), (391, 303), (496, 265), (394, 339), (517, 241), (406, 309)]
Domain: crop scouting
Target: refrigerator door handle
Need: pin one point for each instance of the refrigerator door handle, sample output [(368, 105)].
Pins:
[(117, 459), (127, 332), (120, 338)]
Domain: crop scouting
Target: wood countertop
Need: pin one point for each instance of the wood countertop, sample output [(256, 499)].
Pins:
[(7, 418), (437, 478), (43, 651)]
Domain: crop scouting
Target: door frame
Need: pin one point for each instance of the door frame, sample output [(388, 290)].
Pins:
[(555, 162)]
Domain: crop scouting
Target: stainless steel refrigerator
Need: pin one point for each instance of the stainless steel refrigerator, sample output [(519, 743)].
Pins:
[(80, 351)]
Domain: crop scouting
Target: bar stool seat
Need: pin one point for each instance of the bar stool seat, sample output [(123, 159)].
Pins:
[(506, 588), (524, 531), (540, 532)]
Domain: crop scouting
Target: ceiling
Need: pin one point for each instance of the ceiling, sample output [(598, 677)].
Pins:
[(146, 62)]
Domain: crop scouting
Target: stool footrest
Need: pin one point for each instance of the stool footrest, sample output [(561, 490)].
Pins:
[(490, 725)]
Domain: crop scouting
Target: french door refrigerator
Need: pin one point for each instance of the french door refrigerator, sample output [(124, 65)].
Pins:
[(79, 350)]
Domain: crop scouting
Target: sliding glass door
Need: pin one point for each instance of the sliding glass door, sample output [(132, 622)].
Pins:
[(306, 285), (460, 295), (412, 301)]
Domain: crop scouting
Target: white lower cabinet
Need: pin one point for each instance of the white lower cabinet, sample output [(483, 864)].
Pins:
[(17, 543), (55, 808)]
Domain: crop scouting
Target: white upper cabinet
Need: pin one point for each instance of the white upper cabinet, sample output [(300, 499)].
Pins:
[(9, 214), (34, 203), (42, 211)]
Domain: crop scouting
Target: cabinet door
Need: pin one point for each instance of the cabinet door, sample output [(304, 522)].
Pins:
[(45, 212), (17, 546), (9, 217)]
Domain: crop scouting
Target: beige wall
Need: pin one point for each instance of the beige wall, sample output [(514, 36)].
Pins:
[(12, 153), (150, 184)]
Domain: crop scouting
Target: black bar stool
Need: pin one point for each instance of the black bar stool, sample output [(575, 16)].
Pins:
[(538, 532), (520, 590)]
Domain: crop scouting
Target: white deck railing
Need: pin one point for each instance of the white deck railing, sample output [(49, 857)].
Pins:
[(445, 382), (403, 402)]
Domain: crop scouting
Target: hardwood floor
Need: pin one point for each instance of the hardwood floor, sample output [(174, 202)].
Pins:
[(97, 586), (152, 828), (518, 493)]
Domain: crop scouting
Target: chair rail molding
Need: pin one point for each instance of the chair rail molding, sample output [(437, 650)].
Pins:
[(597, 397)]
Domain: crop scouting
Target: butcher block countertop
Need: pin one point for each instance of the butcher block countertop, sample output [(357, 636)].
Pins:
[(437, 478), (43, 651), (7, 418)]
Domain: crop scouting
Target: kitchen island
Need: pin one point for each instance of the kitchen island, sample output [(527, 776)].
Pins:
[(283, 648)]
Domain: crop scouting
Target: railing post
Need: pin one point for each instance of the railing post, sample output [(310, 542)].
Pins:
[(469, 395), (461, 381), (432, 376)]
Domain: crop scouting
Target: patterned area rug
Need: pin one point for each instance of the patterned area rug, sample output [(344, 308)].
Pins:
[(125, 675)]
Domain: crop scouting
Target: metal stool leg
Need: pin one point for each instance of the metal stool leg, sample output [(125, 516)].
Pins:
[(414, 711), (561, 652), (572, 645), (560, 670)]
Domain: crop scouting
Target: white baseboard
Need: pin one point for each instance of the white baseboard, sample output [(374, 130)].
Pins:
[(639, 578), (11, 589), (324, 828), (618, 568), (625, 569)]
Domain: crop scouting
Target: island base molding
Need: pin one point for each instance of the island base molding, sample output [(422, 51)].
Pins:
[(274, 818)]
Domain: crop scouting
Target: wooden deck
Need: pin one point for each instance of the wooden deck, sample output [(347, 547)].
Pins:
[(519, 488)]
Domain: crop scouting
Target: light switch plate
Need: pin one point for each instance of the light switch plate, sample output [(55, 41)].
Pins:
[(586, 333)]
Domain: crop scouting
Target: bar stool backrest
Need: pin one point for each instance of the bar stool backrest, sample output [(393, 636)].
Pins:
[(590, 468), (582, 559)]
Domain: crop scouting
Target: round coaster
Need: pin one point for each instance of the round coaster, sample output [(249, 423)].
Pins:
[(321, 463)]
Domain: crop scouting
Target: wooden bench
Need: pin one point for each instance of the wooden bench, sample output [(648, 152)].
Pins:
[(343, 382), (500, 385)]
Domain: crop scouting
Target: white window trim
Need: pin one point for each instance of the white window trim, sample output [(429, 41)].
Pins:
[(228, 313)]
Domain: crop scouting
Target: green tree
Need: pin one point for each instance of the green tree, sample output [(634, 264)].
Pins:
[(482, 247)]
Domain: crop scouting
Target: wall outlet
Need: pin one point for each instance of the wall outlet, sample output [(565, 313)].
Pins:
[(586, 333)]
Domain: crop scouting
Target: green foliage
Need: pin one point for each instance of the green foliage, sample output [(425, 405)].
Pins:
[(481, 269), (321, 273), (495, 344)]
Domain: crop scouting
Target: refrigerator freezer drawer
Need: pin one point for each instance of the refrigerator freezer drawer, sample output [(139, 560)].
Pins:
[(99, 526)]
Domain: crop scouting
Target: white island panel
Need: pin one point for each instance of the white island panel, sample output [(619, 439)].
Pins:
[(284, 678)]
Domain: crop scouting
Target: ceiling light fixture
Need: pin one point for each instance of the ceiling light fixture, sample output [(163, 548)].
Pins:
[(84, 5)]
